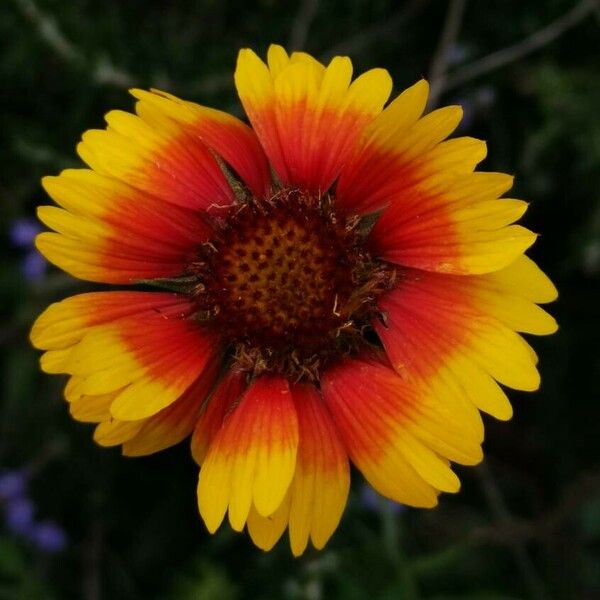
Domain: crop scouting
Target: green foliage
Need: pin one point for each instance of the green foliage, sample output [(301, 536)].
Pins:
[(207, 581), (16, 580)]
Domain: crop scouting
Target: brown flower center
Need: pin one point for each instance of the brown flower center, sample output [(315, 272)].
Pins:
[(288, 283)]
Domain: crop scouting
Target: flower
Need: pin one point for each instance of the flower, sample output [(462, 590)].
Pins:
[(49, 537), (22, 234), (13, 484), (373, 502), (19, 514), (338, 285)]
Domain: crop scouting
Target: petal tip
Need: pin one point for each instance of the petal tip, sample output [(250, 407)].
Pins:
[(211, 514)]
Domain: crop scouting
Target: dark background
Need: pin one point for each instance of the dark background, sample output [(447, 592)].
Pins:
[(77, 521)]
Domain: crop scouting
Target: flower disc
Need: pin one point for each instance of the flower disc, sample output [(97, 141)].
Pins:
[(289, 282)]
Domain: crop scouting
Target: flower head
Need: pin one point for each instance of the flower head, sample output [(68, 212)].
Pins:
[(339, 286)]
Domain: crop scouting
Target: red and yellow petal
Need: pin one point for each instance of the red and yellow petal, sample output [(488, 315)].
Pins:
[(448, 231), (321, 482), (141, 345), (177, 421), (376, 151), (166, 161), (252, 458), (315, 501), (166, 428), (436, 213), (308, 117), (392, 145), (458, 333), (110, 232), (398, 434), (221, 401), (227, 136)]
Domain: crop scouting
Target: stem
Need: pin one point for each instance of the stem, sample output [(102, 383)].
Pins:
[(499, 509), (376, 33), (439, 64), (512, 53), (301, 25), (391, 535)]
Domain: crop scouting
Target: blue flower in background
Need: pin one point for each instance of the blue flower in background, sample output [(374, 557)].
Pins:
[(49, 537), (12, 484), (22, 234), (373, 501), (19, 515)]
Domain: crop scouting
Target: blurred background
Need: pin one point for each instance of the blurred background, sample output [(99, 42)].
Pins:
[(78, 521)]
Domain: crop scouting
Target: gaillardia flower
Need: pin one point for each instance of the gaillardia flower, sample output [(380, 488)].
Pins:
[(338, 285)]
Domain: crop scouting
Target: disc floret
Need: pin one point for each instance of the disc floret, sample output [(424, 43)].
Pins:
[(289, 282)]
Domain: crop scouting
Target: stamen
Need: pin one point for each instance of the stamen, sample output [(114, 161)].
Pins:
[(289, 283)]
